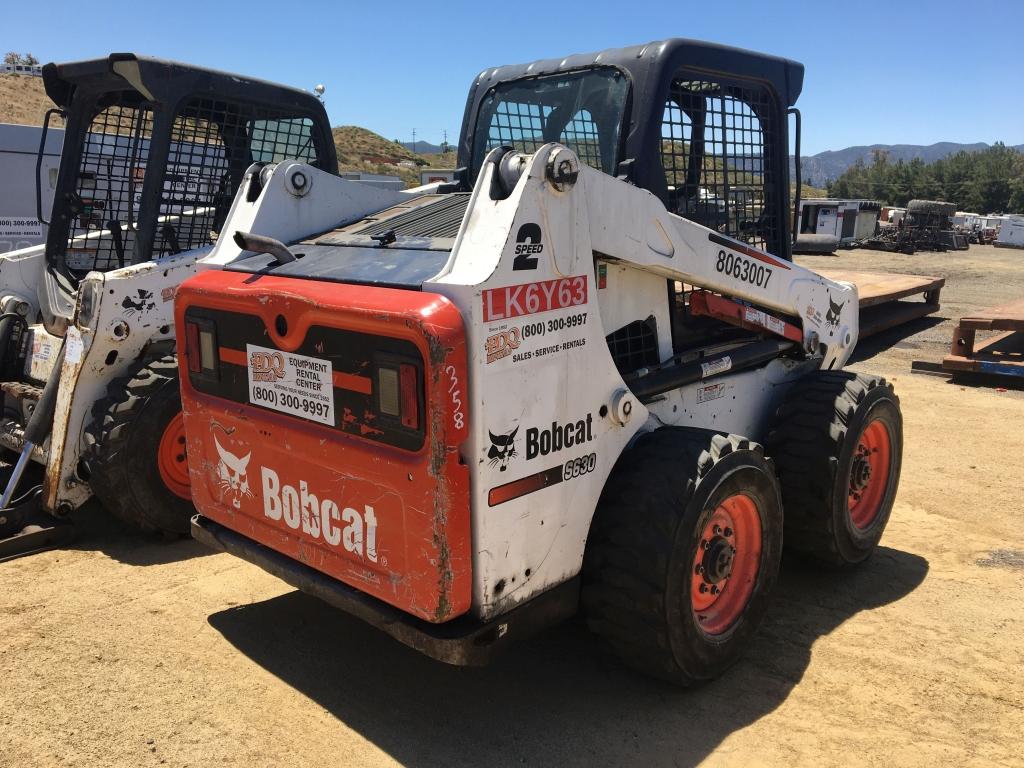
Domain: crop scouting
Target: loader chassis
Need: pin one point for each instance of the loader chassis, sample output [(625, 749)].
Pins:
[(588, 321)]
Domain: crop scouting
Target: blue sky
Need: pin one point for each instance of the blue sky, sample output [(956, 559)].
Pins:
[(876, 72)]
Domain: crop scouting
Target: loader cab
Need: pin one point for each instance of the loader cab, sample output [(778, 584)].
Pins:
[(701, 126), (153, 154)]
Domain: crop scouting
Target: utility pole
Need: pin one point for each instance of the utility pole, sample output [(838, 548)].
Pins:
[(413, 139), (444, 141)]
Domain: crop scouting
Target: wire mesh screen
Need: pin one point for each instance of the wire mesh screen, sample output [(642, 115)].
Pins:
[(581, 135), (523, 126), (518, 125), (715, 148), (582, 110), (212, 143), (111, 171)]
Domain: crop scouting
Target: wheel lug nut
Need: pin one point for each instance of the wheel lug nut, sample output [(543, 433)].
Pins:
[(718, 529), (728, 531), (700, 569), (714, 590), (703, 588)]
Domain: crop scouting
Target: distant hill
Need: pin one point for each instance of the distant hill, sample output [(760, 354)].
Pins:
[(827, 166), (23, 100), (424, 147), (360, 149)]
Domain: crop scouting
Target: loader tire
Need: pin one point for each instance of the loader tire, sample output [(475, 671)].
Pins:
[(137, 463), (837, 441), (683, 512)]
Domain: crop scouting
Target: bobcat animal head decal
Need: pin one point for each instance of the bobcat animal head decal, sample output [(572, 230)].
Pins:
[(231, 471), (832, 316), (503, 448), (142, 304)]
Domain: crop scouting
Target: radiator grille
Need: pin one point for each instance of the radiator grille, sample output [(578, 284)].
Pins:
[(634, 346), (440, 218)]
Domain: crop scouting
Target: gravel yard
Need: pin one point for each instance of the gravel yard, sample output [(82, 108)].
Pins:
[(124, 650)]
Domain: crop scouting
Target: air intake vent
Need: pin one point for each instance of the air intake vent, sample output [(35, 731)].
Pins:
[(440, 218)]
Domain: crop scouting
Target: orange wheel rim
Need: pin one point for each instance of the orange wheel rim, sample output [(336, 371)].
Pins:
[(869, 474), (726, 564), (172, 459)]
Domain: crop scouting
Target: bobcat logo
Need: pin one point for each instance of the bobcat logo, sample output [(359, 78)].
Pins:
[(142, 304), (503, 448), (832, 316), (231, 471)]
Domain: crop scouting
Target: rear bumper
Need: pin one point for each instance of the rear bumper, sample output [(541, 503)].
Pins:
[(463, 641)]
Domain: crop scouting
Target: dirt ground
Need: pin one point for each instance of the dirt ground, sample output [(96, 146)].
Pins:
[(126, 651)]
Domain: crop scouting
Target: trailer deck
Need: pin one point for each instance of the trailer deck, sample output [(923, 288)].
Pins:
[(880, 295)]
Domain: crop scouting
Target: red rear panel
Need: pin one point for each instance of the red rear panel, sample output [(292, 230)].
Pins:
[(324, 421)]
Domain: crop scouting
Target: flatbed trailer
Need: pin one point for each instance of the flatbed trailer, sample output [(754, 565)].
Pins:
[(880, 295)]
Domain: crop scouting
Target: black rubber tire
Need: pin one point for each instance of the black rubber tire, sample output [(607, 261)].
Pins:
[(813, 441), (122, 443), (641, 551), (931, 206)]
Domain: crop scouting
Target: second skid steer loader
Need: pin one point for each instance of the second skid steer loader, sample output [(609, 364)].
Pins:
[(153, 154)]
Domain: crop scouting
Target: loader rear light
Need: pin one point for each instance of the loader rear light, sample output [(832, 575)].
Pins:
[(201, 348), (410, 396), (387, 391), (398, 393)]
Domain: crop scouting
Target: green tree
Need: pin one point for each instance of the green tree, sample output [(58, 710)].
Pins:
[(990, 181)]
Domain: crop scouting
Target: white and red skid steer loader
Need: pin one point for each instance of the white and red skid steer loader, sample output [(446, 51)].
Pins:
[(584, 376)]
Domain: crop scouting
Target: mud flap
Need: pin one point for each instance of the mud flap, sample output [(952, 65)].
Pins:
[(26, 529)]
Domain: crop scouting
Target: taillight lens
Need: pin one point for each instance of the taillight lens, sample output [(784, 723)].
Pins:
[(398, 393), (410, 396), (192, 347), (201, 348)]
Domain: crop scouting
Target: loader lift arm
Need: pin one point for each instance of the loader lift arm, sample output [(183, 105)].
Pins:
[(682, 250)]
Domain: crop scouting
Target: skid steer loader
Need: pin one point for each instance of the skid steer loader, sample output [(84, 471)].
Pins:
[(585, 376), (153, 154)]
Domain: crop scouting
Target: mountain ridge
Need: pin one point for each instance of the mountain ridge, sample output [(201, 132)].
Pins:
[(823, 167)]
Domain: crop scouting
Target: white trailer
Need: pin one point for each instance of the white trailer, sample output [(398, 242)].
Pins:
[(19, 146), (1011, 233), (848, 220)]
